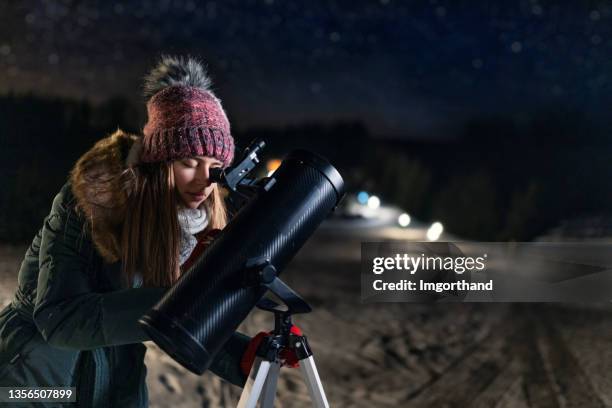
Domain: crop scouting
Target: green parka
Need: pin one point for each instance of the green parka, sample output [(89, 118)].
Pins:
[(71, 323)]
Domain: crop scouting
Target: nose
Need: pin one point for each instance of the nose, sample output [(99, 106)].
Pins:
[(203, 176)]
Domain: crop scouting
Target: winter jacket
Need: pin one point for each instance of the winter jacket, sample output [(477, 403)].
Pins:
[(71, 323)]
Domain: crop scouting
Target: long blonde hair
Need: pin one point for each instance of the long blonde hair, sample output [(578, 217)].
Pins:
[(133, 211)]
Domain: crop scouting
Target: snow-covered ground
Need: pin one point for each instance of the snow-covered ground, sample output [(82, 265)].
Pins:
[(406, 355)]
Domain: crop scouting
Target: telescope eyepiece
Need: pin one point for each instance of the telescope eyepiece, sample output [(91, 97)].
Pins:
[(216, 174), (255, 146)]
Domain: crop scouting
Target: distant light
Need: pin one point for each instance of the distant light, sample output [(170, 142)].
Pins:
[(557, 90), (362, 197), (5, 50), (537, 10), (373, 202), (516, 47), (403, 220), (595, 39), (272, 165), (53, 58), (434, 231)]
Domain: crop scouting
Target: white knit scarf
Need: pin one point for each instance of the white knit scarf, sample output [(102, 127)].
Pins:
[(191, 221)]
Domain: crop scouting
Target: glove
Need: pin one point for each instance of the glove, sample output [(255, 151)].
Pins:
[(248, 357), (209, 237)]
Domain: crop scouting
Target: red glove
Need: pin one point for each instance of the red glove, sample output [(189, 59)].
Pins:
[(288, 357), (249, 355)]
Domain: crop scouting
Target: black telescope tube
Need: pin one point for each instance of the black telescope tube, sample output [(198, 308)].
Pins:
[(207, 304)]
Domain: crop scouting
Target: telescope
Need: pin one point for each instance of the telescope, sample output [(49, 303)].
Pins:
[(274, 216)]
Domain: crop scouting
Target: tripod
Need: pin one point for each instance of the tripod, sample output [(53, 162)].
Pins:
[(265, 371)]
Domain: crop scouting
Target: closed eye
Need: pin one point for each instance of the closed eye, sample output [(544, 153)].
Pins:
[(190, 163)]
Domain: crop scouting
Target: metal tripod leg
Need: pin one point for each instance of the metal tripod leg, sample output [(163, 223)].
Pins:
[(254, 385), (269, 391), (313, 382), (264, 373), (264, 377)]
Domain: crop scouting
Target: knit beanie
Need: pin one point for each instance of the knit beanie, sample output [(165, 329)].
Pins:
[(185, 118)]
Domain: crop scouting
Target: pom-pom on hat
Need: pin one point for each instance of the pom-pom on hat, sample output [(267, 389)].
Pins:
[(185, 118)]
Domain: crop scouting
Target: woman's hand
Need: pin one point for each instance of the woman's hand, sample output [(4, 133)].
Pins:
[(209, 237)]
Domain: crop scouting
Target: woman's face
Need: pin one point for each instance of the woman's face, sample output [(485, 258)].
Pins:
[(191, 177)]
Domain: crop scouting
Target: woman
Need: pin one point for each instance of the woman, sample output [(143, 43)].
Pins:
[(119, 233)]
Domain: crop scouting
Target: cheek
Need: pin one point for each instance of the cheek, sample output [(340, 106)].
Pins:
[(182, 178)]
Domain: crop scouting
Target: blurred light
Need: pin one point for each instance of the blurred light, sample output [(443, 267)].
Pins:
[(434, 232), (362, 197), (272, 165), (373, 202), (595, 15), (403, 220)]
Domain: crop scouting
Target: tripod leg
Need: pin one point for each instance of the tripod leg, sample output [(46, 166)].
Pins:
[(254, 385), (313, 382), (269, 391)]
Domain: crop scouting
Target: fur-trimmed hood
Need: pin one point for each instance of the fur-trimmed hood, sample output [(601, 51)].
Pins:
[(101, 182)]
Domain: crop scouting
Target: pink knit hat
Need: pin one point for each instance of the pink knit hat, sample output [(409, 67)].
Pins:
[(185, 118)]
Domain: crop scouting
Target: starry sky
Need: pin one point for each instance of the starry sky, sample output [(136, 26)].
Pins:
[(408, 69)]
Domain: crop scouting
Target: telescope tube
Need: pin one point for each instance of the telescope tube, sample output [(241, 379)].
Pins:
[(207, 304)]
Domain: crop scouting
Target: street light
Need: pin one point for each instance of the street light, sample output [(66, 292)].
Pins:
[(403, 220), (434, 231)]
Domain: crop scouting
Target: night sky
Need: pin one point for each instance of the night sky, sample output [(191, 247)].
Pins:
[(407, 69)]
